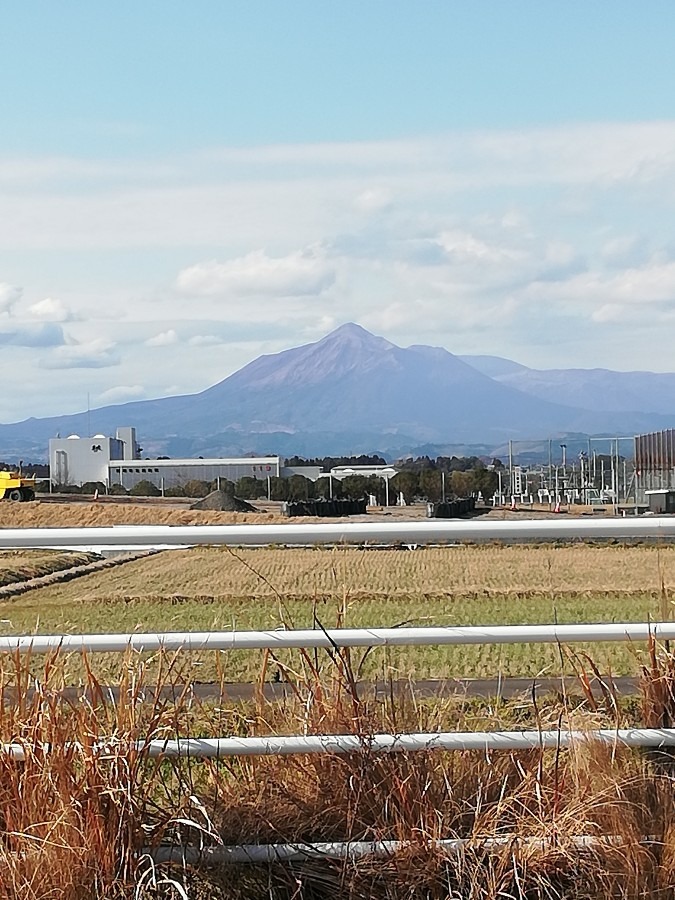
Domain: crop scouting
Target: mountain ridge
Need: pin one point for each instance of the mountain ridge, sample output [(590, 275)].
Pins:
[(360, 387)]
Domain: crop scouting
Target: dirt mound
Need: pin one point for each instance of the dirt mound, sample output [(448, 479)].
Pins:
[(223, 502)]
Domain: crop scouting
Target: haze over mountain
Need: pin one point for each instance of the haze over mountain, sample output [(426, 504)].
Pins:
[(355, 392), (594, 389)]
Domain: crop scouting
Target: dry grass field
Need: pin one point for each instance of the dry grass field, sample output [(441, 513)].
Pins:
[(43, 514), (75, 822)]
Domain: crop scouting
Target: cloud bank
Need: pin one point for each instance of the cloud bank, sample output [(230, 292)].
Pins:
[(553, 246)]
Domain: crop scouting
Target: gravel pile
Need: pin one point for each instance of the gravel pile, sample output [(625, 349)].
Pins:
[(223, 502)]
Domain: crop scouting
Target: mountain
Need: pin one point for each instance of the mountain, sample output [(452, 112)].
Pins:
[(349, 392), (593, 389), (493, 366)]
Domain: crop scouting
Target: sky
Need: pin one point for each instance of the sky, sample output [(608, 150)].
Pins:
[(184, 186)]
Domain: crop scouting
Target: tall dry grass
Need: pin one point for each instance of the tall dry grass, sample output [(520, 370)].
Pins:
[(75, 822)]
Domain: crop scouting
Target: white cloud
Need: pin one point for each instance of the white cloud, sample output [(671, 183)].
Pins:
[(21, 335), (653, 284), (462, 247), (482, 242), (373, 200), (51, 310), (96, 354), (121, 394), (299, 274), (205, 340), (9, 296), (560, 253), (163, 339)]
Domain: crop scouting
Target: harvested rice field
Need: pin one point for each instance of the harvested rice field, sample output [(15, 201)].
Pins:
[(221, 588)]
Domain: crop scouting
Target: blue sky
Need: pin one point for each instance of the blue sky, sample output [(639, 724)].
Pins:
[(185, 186)]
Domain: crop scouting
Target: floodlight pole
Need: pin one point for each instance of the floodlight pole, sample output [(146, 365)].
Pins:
[(510, 467)]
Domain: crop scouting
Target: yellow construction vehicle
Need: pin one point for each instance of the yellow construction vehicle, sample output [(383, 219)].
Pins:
[(17, 487)]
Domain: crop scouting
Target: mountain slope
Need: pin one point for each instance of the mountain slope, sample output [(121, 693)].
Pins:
[(351, 384), (593, 389)]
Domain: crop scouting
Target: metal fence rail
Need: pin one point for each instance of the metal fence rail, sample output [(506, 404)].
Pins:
[(337, 638), (308, 534), (343, 744), (238, 854)]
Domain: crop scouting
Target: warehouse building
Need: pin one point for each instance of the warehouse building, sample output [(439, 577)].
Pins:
[(655, 459), (75, 460)]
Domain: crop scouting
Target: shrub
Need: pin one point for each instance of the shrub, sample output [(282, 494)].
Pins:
[(90, 487), (145, 488), (249, 488), (196, 488)]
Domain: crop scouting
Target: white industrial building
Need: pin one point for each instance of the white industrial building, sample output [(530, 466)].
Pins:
[(75, 460)]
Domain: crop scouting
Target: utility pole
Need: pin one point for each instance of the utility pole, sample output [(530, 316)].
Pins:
[(510, 467)]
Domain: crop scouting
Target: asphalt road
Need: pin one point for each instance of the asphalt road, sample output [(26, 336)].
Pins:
[(505, 688)]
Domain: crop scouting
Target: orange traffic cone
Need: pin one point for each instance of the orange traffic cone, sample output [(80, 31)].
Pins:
[(557, 506)]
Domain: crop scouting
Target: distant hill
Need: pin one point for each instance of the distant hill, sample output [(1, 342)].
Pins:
[(353, 392), (594, 389)]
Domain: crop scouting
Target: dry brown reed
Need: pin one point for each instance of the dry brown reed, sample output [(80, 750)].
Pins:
[(74, 821)]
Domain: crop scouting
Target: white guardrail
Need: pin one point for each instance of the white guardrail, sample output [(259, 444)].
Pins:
[(343, 744), (237, 854), (336, 638), (427, 532)]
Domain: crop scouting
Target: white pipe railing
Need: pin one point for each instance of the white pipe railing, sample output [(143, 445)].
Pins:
[(337, 638), (236, 854), (427, 532), (341, 744)]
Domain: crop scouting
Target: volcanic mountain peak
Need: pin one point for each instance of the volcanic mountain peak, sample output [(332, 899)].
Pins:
[(354, 388), (352, 335), (346, 349)]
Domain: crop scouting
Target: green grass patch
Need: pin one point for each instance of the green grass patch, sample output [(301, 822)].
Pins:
[(214, 589)]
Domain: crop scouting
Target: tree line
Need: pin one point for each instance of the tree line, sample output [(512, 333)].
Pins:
[(420, 478)]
